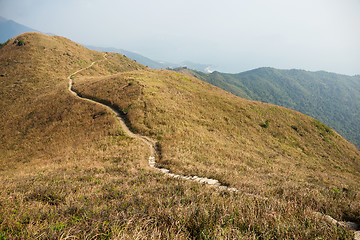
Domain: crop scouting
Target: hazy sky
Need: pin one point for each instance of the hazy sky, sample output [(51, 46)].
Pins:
[(234, 35)]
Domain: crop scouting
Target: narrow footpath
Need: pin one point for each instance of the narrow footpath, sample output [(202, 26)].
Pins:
[(212, 182)]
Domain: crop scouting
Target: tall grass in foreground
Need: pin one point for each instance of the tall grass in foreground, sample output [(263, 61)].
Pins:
[(114, 196)]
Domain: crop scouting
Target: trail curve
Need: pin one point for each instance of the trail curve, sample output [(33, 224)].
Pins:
[(154, 152), (150, 142)]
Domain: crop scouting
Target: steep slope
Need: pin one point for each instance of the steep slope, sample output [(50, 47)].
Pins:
[(10, 29), (67, 169), (331, 98)]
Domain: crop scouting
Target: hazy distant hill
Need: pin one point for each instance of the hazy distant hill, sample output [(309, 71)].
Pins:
[(134, 56), (155, 64), (10, 29), (197, 66), (331, 98)]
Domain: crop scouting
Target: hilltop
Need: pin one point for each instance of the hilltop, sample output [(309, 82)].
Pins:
[(68, 169), (331, 98)]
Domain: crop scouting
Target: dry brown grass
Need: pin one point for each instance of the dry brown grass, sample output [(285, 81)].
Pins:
[(37, 113), (64, 174), (123, 199), (206, 132)]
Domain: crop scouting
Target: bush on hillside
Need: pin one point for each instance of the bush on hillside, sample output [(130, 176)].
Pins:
[(21, 43), (265, 125)]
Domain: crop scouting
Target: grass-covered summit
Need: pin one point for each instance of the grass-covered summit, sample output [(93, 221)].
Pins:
[(68, 170)]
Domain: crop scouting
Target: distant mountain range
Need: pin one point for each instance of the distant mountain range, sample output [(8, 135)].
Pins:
[(10, 29), (331, 98), (155, 64)]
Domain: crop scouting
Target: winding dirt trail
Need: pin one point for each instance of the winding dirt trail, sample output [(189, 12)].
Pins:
[(212, 182), (150, 142)]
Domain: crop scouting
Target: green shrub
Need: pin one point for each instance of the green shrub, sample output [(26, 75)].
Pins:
[(21, 42), (265, 125)]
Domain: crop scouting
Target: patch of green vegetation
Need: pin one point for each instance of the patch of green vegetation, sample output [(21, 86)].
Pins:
[(183, 76), (21, 42), (58, 226), (2, 236), (126, 110), (265, 125), (322, 128), (187, 79)]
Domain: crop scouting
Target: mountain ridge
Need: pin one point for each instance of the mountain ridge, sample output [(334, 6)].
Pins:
[(67, 165), (153, 63), (291, 69), (330, 97)]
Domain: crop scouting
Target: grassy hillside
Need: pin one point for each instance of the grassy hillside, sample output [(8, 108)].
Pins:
[(66, 173), (331, 98), (35, 104)]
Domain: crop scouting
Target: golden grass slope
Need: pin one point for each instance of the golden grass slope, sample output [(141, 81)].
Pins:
[(38, 116), (259, 148), (66, 174)]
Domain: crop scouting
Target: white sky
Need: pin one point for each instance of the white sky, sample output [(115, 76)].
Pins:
[(234, 35)]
